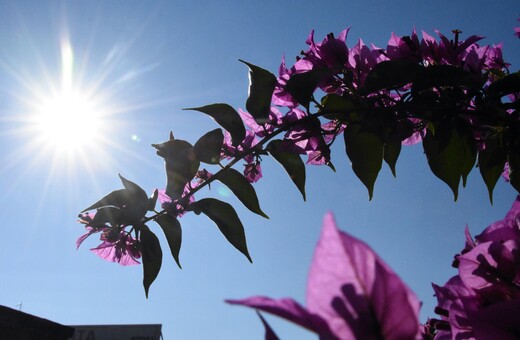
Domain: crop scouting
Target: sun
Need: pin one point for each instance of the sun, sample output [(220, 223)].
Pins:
[(68, 121)]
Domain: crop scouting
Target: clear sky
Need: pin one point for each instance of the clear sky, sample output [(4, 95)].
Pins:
[(137, 64)]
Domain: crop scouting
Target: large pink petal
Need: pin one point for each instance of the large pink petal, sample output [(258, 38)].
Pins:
[(356, 292), (288, 309)]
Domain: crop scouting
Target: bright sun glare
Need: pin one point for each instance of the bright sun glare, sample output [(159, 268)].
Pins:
[(67, 120)]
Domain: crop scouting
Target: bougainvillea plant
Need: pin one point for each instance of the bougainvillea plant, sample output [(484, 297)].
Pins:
[(454, 96)]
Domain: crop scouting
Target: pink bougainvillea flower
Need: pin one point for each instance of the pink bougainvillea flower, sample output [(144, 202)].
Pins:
[(404, 48), (478, 303), (173, 208), (118, 246), (253, 172), (262, 130), (351, 293)]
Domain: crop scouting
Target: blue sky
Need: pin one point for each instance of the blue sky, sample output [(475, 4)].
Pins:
[(141, 62)]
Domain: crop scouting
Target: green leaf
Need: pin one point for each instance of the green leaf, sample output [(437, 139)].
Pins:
[(491, 161), (261, 88), (132, 203), (391, 154), (226, 219), (105, 215), (339, 107), (292, 163), (152, 257), (181, 165), (365, 149), (116, 198), (444, 75), (301, 86), (132, 195), (173, 232), (152, 201), (132, 187), (468, 146), (390, 75), (451, 152), (227, 117), (208, 147), (508, 84), (242, 189)]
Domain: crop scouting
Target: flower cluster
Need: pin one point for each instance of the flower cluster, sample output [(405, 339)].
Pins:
[(346, 69), (406, 105), (483, 300), (117, 244)]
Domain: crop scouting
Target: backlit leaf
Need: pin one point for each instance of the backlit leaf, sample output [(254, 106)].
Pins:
[(391, 154), (242, 189), (181, 165), (491, 161), (390, 74), (208, 147), (261, 88), (301, 86), (365, 150), (132, 203), (451, 152), (173, 232), (444, 75), (227, 117), (339, 107), (152, 257), (226, 219), (508, 84), (292, 163)]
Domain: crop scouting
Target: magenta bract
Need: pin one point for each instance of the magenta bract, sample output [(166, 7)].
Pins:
[(351, 293)]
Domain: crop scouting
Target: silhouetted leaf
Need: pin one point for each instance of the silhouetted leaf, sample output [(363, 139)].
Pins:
[(391, 154), (301, 86), (365, 149), (444, 75), (208, 147), (152, 257), (226, 219), (508, 84), (468, 147), (153, 200), (390, 74), (173, 232), (132, 203), (491, 161), (106, 215), (181, 165), (339, 107), (450, 152), (261, 88), (292, 163), (242, 189), (116, 198), (227, 117)]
